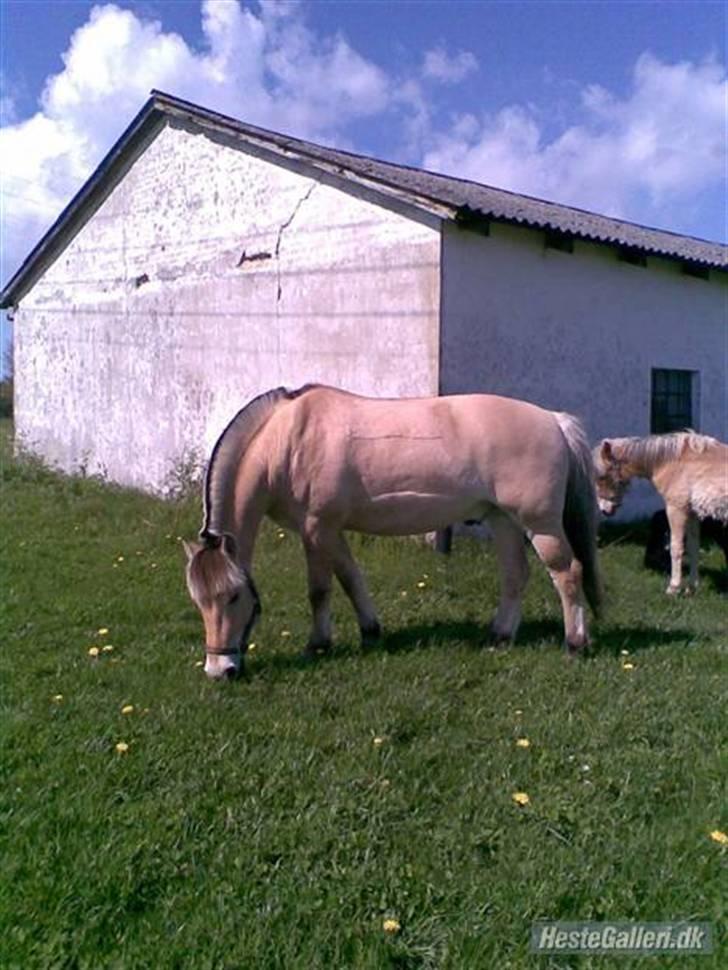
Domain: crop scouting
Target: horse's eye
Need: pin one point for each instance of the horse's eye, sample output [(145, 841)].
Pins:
[(233, 599)]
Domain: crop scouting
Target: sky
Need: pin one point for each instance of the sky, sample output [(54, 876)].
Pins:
[(615, 106)]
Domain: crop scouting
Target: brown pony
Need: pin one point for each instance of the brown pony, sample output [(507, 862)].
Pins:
[(689, 470), (322, 461)]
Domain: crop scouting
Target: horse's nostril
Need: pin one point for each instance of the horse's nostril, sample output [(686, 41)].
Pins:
[(230, 673)]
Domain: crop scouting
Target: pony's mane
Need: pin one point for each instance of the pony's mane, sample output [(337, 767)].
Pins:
[(230, 447), (662, 447)]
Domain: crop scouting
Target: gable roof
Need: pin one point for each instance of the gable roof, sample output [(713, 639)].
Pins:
[(457, 199)]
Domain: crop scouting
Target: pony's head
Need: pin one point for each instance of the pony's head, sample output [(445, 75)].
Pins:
[(225, 595), (612, 480)]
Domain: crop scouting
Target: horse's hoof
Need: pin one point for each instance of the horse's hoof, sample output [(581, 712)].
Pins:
[(370, 636), (315, 650), (496, 638), (673, 590)]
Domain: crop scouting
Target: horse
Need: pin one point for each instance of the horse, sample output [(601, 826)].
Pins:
[(689, 470), (320, 461)]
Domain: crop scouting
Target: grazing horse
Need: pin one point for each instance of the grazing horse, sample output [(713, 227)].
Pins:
[(321, 461), (689, 470)]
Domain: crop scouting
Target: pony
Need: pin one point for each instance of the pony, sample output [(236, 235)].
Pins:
[(320, 461), (689, 470)]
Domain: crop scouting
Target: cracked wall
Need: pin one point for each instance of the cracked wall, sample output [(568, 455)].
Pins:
[(209, 275)]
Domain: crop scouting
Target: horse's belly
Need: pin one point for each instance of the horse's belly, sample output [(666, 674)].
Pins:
[(409, 513)]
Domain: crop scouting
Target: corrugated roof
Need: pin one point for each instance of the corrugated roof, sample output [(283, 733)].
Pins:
[(447, 197)]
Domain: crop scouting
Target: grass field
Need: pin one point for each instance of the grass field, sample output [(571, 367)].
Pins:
[(277, 822)]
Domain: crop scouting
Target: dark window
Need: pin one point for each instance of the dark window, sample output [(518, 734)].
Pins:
[(559, 240), (672, 400)]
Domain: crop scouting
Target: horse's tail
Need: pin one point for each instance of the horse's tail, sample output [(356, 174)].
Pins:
[(581, 510)]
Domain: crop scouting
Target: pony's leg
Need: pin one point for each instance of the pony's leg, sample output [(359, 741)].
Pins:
[(692, 549), (677, 518), (354, 585), (510, 547), (319, 560), (565, 570)]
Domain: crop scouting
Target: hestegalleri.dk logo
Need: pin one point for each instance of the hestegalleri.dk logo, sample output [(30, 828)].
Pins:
[(628, 938)]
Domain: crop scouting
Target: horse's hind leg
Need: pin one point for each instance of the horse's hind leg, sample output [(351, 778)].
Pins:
[(510, 547), (565, 570), (354, 585), (678, 519), (692, 549)]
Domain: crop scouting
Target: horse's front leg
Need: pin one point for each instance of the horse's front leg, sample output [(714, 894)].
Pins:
[(319, 561), (677, 519)]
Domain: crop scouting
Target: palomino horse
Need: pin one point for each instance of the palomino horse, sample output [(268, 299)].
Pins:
[(689, 470), (320, 461)]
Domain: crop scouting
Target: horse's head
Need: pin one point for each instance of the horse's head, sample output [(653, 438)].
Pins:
[(225, 595), (612, 481)]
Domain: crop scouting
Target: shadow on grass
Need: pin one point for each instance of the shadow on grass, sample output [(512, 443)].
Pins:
[(717, 579), (533, 635)]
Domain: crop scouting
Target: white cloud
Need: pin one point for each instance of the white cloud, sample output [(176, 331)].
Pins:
[(266, 67), (633, 157), (441, 66)]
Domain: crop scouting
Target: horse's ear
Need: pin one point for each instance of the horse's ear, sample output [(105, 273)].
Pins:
[(605, 452), (229, 545), (191, 549)]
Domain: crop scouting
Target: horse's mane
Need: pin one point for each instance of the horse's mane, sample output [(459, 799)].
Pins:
[(230, 447), (657, 448)]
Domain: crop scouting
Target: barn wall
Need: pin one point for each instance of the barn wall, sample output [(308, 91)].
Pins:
[(579, 332), (207, 276)]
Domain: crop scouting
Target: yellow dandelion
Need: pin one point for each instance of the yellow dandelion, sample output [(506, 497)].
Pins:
[(107, 648), (625, 653), (403, 593), (377, 742), (520, 798), (425, 575), (285, 633), (58, 698), (281, 534), (385, 782), (122, 747), (120, 559), (199, 663), (421, 584), (93, 651), (627, 666), (168, 536), (391, 926), (720, 837), (252, 646), (154, 565), (523, 743), (518, 711), (103, 631), (127, 709)]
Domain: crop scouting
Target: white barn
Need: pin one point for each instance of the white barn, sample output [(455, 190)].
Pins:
[(207, 260)]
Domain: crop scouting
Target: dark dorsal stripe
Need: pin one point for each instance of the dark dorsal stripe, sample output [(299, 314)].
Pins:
[(228, 450)]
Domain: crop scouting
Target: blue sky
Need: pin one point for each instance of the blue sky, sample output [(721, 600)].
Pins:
[(618, 107)]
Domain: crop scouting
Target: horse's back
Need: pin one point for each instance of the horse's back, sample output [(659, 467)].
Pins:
[(408, 465)]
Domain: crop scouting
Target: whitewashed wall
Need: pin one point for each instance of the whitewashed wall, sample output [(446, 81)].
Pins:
[(579, 332), (148, 332)]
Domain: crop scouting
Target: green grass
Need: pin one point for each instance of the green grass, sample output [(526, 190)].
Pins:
[(258, 825)]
